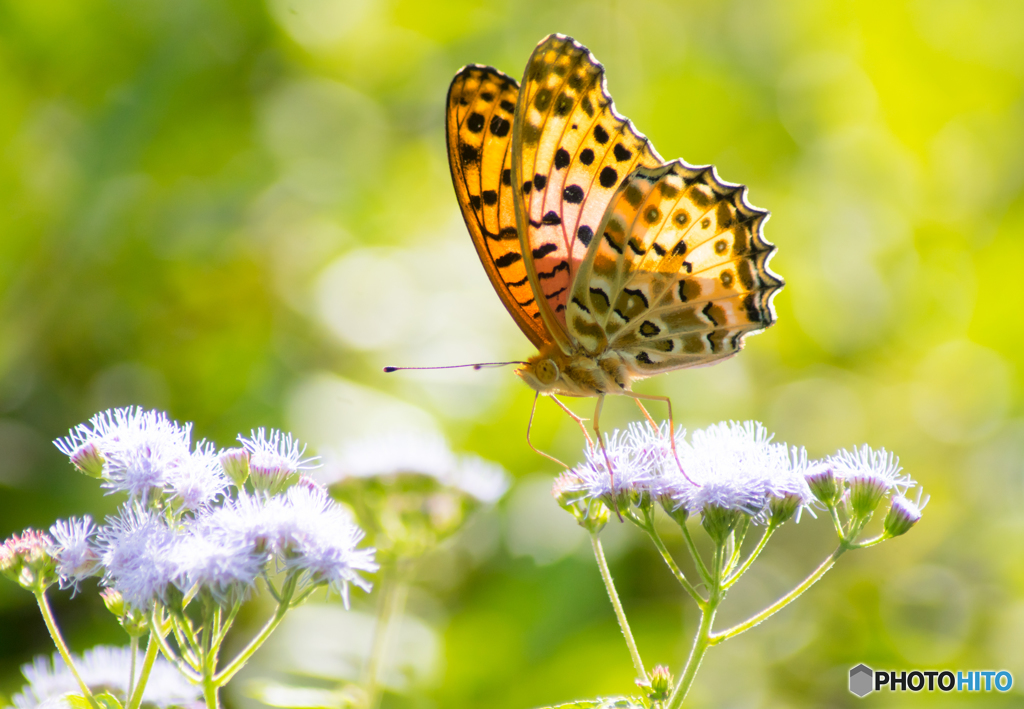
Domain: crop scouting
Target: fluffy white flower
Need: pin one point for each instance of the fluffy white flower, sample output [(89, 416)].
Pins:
[(137, 551), (274, 458), (134, 447), (77, 559), (103, 668)]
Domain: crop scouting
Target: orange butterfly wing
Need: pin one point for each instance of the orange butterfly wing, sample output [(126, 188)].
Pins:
[(480, 109), (572, 151)]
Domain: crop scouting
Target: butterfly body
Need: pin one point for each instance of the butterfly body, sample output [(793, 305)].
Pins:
[(616, 264)]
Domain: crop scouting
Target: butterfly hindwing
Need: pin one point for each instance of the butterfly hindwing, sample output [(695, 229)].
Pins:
[(480, 109), (571, 151), (679, 274)]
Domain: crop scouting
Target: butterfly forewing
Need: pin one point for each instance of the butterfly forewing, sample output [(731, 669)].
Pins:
[(572, 151), (480, 110), (679, 274)]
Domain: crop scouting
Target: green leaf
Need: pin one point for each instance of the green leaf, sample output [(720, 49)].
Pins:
[(104, 699), (108, 701), (76, 701)]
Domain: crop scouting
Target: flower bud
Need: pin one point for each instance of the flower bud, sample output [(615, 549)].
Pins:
[(134, 622), (567, 490), (719, 521), (113, 600), (26, 560), (781, 508), (824, 485), (866, 491), (674, 509), (88, 459), (661, 684), (235, 462), (903, 514)]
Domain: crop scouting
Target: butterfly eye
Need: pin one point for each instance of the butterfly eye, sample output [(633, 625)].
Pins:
[(547, 371)]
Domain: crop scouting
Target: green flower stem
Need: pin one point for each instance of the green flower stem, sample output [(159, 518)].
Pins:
[(152, 649), (133, 646), (209, 657), (394, 592), (225, 675), (705, 574), (606, 576), (737, 536), (225, 627), (871, 542), (186, 645), (703, 639), (62, 648), (663, 550), (735, 576), (834, 511), (782, 602), (160, 626)]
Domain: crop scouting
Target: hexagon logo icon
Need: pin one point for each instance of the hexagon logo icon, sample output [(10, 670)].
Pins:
[(861, 680)]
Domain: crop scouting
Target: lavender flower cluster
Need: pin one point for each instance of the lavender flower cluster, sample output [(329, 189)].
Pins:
[(191, 525), (732, 467)]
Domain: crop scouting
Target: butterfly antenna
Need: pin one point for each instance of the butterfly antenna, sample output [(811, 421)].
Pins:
[(478, 365)]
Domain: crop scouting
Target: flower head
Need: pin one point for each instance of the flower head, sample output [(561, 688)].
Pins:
[(137, 551), (321, 539), (131, 449), (636, 455), (903, 514), (869, 475), (103, 668), (76, 557), (26, 559), (197, 479), (275, 459)]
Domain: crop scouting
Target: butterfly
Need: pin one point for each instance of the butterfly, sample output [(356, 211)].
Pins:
[(616, 264)]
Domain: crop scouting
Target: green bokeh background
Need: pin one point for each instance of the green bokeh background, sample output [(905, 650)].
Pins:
[(239, 211)]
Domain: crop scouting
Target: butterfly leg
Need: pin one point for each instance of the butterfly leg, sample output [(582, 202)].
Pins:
[(529, 427), (607, 459), (578, 419), (671, 423)]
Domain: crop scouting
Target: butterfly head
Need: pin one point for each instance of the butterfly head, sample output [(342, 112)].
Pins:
[(541, 372)]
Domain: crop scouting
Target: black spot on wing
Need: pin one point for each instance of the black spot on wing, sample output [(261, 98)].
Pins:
[(507, 259), (542, 251), (587, 156), (490, 197), (468, 153), (539, 181), (585, 234), (621, 153), (608, 177), (551, 218), (474, 201), (600, 135), (508, 106), (500, 126), (506, 177), (573, 194), (562, 266), (562, 159), (475, 123)]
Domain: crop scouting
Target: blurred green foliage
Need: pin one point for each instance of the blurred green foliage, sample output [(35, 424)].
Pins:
[(239, 212)]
